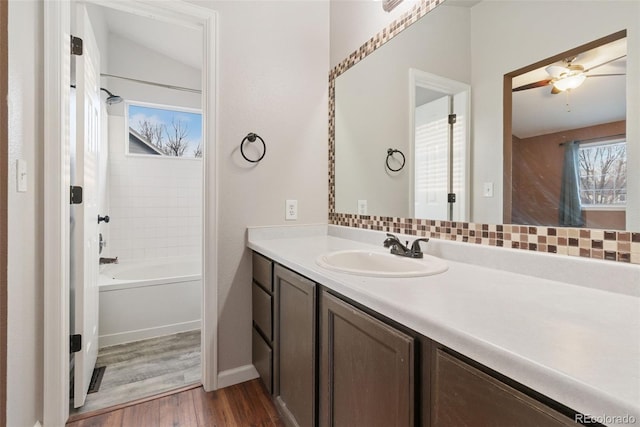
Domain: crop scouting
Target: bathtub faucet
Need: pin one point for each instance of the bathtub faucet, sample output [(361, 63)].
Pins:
[(108, 260)]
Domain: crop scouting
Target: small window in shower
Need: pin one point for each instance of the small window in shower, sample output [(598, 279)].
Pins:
[(165, 131)]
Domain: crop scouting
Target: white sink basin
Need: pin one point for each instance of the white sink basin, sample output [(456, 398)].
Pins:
[(378, 264)]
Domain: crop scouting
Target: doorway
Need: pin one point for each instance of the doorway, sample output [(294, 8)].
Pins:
[(57, 310), (146, 175), (440, 138)]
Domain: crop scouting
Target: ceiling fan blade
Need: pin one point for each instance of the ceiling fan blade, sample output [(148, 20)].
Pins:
[(534, 85), (606, 75), (605, 63)]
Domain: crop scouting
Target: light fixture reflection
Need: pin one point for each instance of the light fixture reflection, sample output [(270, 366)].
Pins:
[(569, 82)]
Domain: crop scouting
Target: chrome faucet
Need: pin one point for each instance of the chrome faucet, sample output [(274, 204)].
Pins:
[(108, 260), (397, 248)]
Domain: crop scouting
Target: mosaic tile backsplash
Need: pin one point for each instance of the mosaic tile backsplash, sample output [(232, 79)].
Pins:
[(621, 246)]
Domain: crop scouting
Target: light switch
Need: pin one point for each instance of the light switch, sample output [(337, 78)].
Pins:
[(362, 207), (488, 189), (291, 210), (21, 175)]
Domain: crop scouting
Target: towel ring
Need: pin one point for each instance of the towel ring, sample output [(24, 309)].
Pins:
[(251, 137), (390, 152)]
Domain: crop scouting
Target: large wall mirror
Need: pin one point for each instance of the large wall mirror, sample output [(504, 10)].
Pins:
[(393, 109), (568, 149)]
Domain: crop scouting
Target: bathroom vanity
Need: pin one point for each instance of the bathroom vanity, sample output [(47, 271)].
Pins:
[(470, 346)]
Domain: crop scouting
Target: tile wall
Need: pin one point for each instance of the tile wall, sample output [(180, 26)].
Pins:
[(155, 204)]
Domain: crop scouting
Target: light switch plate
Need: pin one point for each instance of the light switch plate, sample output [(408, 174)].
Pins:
[(291, 210), (487, 190), (21, 175), (362, 207)]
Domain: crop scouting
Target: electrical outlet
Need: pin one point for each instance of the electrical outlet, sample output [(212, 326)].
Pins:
[(291, 210), (362, 207), (487, 189)]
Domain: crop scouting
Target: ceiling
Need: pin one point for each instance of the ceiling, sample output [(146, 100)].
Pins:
[(598, 100), (177, 42)]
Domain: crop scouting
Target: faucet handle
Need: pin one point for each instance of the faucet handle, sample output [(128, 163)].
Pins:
[(415, 246)]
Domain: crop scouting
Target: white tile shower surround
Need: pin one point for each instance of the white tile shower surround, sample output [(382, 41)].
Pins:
[(155, 204), (568, 328)]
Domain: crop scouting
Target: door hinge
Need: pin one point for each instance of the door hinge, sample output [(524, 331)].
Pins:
[(76, 195), (76, 343), (451, 197), (452, 119), (76, 45)]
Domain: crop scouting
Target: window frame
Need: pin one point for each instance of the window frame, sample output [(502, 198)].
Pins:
[(128, 103), (601, 207)]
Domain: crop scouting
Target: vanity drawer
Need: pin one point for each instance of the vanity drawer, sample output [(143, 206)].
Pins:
[(261, 309), (262, 357), (262, 268)]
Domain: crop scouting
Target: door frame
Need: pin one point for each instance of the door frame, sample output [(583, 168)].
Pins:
[(446, 86), (4, 146), (57, 26)]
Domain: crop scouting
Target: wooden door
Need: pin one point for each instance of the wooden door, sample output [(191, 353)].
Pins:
[(295, 347), (84, 229), (366, 369)]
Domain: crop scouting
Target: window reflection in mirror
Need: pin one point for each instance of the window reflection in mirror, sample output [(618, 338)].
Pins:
[(588, 188)]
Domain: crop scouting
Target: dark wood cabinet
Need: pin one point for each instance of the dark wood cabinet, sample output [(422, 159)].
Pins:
[(330, 363), (295, 347), (463, 395), (262, 313), (367, 366)]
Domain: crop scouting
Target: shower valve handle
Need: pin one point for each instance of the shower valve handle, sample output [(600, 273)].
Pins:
[(103, 218)]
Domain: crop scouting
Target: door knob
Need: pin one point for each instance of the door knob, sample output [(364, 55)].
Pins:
[(103, 218)]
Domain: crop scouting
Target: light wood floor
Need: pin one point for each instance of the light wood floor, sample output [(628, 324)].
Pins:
[(243, 405), (145, 368)]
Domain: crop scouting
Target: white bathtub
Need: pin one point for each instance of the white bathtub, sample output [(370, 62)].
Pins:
[(145, 299)]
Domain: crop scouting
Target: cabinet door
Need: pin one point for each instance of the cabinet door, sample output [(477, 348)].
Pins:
[(465, 396), (366, 369), (295, 348)]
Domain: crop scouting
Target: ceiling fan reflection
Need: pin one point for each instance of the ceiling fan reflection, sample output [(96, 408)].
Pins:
[(568, 76)]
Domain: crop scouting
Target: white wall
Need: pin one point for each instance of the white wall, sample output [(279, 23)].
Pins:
[(373, 114), (273, 70), (26, 210), (354, 22), (506, 36), (129, 59)]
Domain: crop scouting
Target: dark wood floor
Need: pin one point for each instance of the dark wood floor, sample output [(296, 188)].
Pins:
[(242, 405)]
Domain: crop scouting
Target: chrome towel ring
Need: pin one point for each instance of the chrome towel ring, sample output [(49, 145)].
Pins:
[(390, 153), (251, 137)]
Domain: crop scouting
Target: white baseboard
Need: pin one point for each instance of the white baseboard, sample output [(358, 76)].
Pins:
[(141, 334), (236, 375)]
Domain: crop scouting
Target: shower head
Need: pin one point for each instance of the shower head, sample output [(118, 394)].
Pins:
[(112, 99)]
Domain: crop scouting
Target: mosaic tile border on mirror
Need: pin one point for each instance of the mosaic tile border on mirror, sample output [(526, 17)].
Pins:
[(620, 246)]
